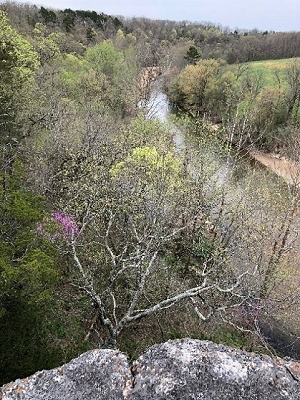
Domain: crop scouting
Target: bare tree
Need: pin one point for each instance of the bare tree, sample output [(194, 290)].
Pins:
[(135, 276)]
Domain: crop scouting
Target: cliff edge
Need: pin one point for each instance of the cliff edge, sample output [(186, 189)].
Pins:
[(178, 369)]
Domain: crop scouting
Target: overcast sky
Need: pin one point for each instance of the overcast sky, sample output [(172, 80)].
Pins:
[(277, 15)]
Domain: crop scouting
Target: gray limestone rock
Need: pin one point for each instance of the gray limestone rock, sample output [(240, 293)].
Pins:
[(178, 369), (193, 370), (97, 374)]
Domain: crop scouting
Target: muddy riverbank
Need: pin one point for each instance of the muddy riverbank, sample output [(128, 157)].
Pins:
[(286, 169)]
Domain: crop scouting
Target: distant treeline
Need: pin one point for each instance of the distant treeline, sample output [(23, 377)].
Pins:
[(212, 40), (215, 41), (66, 19)]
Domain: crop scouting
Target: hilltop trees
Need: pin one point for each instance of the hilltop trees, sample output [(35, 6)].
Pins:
[(211, 40), (18, 63)]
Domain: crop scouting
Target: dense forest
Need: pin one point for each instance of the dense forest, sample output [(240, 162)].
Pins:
[(108, 236)]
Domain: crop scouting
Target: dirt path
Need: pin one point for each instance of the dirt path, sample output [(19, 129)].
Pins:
[(287, 169)]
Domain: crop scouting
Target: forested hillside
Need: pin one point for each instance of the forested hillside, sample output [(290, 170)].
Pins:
[(109, 235)]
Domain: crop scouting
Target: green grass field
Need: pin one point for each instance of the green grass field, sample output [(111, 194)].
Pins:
[(272, 72)]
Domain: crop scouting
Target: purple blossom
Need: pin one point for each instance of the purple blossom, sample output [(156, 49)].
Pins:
[(250, 312), (68, 224), (65, 227)]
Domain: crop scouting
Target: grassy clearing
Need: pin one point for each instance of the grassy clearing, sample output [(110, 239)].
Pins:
[(272, 72)]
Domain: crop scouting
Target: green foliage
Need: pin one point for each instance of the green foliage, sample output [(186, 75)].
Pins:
[(69, 19), (144, 132), (150, 167), (16, 199), (39, 336), (270, 111), (18, 63), (91, 34), (84, 84), (192, 55), (205, 247), (73, 70), (251, 101), (231, 337), (48, 15), (117, 74), (148, 184), (200, 88), (27, 266), (29, 273), (35, 276), (46, 45), (106, 59)]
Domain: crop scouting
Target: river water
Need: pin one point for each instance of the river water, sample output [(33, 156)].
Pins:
[(246, 215)]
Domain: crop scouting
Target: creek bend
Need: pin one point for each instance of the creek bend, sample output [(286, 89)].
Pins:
[(240, 182)]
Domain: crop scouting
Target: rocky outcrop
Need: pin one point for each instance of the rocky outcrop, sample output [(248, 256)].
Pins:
[(179, 369), (203, 370), (97, 374)]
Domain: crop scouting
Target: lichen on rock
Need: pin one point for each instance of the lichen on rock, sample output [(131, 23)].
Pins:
[(180, 369)]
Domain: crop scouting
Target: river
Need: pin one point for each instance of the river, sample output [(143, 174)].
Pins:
[(248, 205)]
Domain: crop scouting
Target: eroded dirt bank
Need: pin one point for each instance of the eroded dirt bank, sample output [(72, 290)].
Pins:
[(286, 169)]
